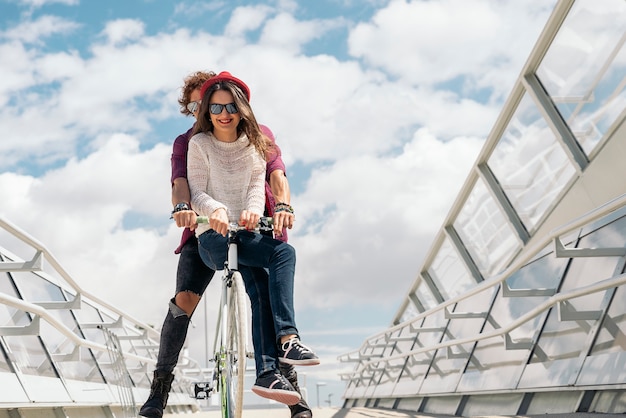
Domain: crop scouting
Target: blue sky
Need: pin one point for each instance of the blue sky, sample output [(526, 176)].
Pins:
[(380, 108)]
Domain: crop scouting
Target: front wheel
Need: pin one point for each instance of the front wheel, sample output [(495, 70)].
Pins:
[(236, 346)]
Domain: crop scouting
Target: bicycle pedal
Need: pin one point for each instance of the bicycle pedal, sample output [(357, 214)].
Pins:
[(202, 390)]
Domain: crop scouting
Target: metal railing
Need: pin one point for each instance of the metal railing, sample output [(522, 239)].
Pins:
[(378, 361), (46, 267)]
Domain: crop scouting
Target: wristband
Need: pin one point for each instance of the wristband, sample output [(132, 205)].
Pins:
[(179, 207), (283, 207)]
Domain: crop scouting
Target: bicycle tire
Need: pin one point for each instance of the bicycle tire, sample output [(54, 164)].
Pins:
[(236, 346)]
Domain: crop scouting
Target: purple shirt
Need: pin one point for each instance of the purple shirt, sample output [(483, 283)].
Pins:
[(179, 169)]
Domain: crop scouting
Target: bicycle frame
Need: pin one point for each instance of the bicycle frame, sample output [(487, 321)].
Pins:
[(230, 346), (231, 354)]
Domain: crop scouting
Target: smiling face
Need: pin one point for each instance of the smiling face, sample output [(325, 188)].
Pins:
[(225, 123)]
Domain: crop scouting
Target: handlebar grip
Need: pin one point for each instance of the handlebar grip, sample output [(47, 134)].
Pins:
[(265, 222)]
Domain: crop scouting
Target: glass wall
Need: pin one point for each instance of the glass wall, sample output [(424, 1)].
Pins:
[(501, 305)]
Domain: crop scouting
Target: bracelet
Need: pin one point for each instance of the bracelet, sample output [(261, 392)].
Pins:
[(179, 207), (283, 207)]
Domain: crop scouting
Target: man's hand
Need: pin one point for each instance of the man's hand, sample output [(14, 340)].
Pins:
[(185, 219), (218, 221), (282, 220), (248, 219)]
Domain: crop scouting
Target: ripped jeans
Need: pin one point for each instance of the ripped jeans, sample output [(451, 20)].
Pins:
[(192, 276)]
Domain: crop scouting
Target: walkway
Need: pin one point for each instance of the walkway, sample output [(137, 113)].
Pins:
[(367, 413)]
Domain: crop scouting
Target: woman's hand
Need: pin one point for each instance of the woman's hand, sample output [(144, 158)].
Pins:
[(249, 219), (218, 221)]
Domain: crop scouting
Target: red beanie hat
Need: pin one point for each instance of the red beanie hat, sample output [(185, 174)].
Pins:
[(225, 76)]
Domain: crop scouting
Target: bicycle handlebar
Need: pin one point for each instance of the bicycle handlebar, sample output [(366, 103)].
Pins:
[(265, 224)]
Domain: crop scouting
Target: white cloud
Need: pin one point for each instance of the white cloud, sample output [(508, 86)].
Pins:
[(196, 8), (394, 144), (285, 31), (433, 42), (34, 31), (246, 19), (121, 30), (365, 223)]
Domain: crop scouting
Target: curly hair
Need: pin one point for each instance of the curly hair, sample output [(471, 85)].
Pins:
[(248, 123), (192, 82)]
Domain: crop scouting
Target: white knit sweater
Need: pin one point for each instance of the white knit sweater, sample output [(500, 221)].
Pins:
[(228, 175)]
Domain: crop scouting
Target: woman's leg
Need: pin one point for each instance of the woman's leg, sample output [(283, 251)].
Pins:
[(263, 336), (259, 251), (269, 383)]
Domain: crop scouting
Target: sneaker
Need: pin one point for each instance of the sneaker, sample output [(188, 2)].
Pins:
[(275, 386), (294, 352), (300, 410)]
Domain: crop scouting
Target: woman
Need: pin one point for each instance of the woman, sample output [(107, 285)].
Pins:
[(226, 175)]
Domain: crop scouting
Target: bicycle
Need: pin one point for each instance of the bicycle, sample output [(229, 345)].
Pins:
[(230, 344)]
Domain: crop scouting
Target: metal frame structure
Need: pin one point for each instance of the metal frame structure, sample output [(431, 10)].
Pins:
[(519, 304), (66, 350)]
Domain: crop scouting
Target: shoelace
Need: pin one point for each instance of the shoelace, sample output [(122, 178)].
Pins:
[(296, 344), (285, 383)]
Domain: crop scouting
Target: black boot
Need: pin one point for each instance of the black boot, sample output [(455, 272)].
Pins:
[(159, 391), (301, 409)]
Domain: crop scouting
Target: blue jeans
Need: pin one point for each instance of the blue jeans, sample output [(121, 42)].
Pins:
[(271, 295)]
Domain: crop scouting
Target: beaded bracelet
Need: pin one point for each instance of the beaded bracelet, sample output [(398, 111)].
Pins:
[(283, 207)]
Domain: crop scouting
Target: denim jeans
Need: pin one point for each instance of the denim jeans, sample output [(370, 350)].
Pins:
[(192, 276), (271, 295)]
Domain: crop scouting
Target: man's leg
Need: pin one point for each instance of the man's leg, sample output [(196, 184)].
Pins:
[(301, 409), (192, 278)]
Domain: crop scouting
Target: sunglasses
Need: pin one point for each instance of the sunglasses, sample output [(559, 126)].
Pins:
[(216, 108), (193, 106)]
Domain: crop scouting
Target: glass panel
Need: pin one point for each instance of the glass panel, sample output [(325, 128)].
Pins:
[(530, 164), (409, 312), (4, 364), (401, 341), (425, 295), (449, 273), (417, 365), (422, 299), (543, 273), (585, 67), (449, 363), (7, 312), (485, 232), (29, 355), (611, 337), (34, 288), (556, 359), (492, 366), (73, 362)]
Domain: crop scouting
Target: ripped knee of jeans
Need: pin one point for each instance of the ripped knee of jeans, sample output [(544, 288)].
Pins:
[(175, 310)]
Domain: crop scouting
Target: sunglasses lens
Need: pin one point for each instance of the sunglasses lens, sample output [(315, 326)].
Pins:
[(231, 108), (193, 107), (216, 108)]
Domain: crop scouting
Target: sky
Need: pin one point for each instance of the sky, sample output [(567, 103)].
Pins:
[(379, 106)]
